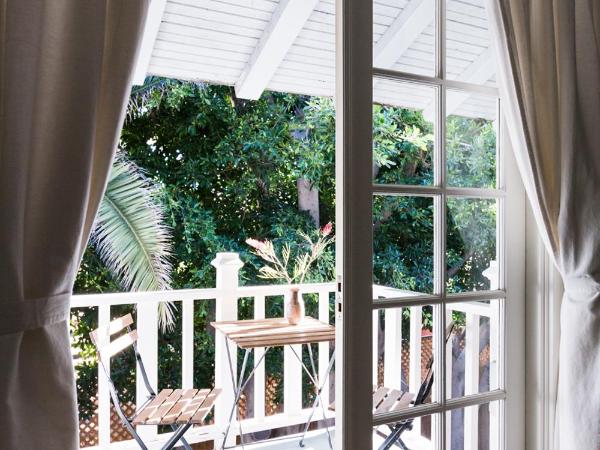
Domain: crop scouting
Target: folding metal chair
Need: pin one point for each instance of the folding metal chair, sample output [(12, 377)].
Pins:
[(178, 408), (385, 400)]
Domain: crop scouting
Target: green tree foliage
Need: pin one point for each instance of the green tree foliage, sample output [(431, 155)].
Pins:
[(227, 169)]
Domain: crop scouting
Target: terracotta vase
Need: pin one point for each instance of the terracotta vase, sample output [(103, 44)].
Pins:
[(294, 308)]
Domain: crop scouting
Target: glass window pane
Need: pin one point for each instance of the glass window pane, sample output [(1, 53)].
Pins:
[(469, 55), (474, 427), (404, 35), (403, 347), (402, 245), (413, 434), (472, 347), (403, 116), (471, 139), (471, 244)]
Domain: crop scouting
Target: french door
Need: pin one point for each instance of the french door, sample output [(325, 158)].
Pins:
[(446, 326)]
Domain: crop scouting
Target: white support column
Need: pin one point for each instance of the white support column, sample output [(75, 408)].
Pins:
[(147, 327), (103, 392), (228, 266), (392, 367), (292, 377), (471, 417), (259, 374), (324, 346), (187, 344), (414, 378)]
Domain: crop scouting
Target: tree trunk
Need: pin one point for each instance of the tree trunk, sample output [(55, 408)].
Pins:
[(308, 199)]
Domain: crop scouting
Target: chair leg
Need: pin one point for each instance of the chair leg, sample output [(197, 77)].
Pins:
[(394, 437), (402, 444), (134, 434), (177, 436), (183, 441)]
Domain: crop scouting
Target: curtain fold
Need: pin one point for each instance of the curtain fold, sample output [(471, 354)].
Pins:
[(65, 76), (549, 76)]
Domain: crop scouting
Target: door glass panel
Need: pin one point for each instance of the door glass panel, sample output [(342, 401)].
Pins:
[(403, 345), (404, 35), (413, 434), (472, 347), (469, 54), (402, 245), (474, 427), (471, 139), (403, 132), (471, 244)]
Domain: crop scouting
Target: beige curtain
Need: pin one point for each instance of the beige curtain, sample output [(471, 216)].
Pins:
[(65, 71), (549, 75)]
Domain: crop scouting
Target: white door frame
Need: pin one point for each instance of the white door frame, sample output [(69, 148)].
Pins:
[(354, 191), (354, 247)]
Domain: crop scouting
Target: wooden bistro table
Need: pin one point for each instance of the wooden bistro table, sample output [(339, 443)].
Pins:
[(269, 333)]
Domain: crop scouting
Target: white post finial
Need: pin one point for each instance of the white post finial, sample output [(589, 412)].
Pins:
[(491, 273)]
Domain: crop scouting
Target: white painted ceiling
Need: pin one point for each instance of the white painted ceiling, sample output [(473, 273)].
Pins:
[(289, 45)]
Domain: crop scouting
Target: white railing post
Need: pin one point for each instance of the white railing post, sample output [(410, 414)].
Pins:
[(103, 392), (259, 374), (228, 266), (449, 372), (414, 377), (147, 327), (375, 321), (324, 346), (392, 366), (292, 376), (187, 344), (471, 417)]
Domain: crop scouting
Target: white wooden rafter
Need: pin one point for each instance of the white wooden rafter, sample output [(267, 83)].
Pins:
[(153, 20), (478, 72), (285, 25), (406, 28)]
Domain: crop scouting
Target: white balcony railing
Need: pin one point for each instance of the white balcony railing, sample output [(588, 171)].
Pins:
[(226, 295)]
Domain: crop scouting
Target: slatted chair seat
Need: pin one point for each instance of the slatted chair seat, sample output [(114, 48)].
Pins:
[(177, 406), (388, 400), (391, 400)]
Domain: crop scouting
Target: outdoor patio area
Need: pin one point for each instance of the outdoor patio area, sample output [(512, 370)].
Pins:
[(238, 56), (390, 367)]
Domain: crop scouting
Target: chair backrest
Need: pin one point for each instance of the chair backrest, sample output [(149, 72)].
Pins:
[(427, 383), (107, 348), (101, 337)]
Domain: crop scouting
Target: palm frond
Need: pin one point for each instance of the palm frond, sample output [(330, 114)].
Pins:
[(130, 235)]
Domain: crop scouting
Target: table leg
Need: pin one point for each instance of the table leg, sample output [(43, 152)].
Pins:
[(239, 384), (318, 399)]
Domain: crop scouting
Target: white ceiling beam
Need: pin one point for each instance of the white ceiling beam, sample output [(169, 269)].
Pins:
[(153, 20), (285, 25), (478, 72), (406, 28)]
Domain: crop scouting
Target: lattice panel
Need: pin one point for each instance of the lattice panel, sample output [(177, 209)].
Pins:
[(88, 428)]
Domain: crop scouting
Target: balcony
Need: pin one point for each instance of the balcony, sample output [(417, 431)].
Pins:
[(283, 426)]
